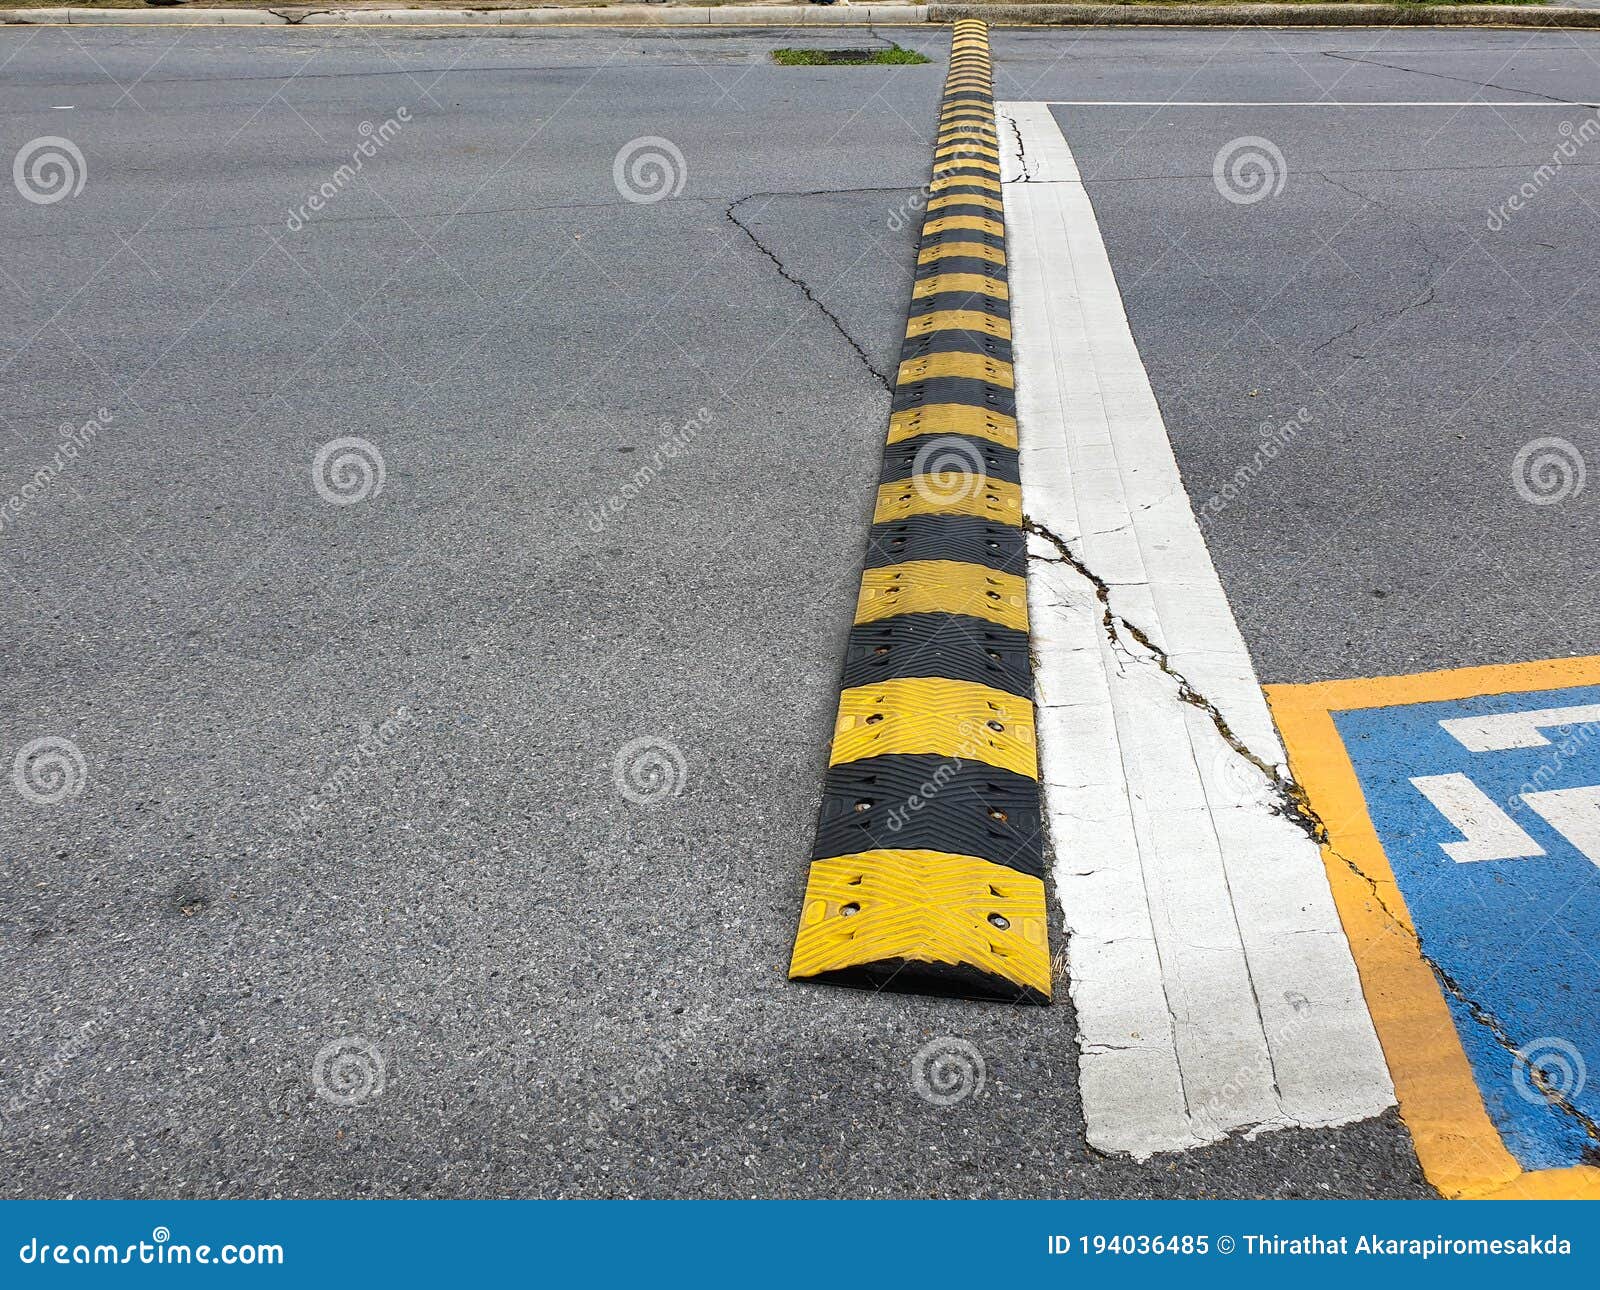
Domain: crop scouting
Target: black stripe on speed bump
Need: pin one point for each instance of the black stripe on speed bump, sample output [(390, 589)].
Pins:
[(949, 645), (913, 801), (967, 539), (922, 454), (955, 389)]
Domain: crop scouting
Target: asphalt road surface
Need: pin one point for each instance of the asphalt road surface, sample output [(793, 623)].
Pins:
[(444, 808)]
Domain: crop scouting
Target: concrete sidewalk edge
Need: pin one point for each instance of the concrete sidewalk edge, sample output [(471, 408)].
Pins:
[(655, 15), (625, 15)]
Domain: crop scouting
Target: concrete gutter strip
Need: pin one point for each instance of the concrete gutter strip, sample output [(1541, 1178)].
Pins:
[(836, 15), (1268, 15), (634, 15)]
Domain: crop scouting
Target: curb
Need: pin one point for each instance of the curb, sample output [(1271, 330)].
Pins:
[(843, 15), (927, 872), (638, 15), (1267, 15)]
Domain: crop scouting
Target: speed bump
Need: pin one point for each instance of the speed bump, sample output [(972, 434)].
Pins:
[(928, 868)]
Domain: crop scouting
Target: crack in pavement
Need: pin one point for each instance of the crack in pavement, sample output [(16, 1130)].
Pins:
[(1022, 152), (827, 313), (1289, 799), (1292, 802), (1461, 80), (1432, 258), (1448, 983), (295, 20)]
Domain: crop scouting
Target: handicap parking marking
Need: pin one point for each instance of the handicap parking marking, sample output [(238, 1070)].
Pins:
[(1463, 847)]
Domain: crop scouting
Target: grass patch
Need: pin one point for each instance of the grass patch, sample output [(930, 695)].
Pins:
[(845, 57)]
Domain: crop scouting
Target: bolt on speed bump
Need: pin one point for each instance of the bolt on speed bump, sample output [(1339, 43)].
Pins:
[(927, 872)]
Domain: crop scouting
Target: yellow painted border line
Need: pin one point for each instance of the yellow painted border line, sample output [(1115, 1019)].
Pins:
[(303, 28), (1460, 1150)]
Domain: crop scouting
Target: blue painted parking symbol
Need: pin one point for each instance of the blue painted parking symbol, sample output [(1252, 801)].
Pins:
[(1488, 809)]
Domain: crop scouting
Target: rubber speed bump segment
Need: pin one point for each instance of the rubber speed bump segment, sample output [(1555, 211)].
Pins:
[(928, 868)]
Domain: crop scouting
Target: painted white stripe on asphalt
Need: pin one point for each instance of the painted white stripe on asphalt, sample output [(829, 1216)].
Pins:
[(1334, 103), (1214, 989)]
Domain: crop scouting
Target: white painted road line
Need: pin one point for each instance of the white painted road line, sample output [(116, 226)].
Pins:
[(1324, 103), (1214, 988)]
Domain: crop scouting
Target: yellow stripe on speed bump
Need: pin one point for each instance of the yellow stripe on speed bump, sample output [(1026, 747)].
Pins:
[(968, 366), (957, 903), (961, 251), (953, 418), (957, 719), (939, 183), (967, 320), (955, 164), (932, 907), (943, 586), (975, 495), (967, 223), (977, 284), (966, 199)]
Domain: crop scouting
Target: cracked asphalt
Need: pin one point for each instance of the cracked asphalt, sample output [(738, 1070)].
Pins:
[(554, 698)]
